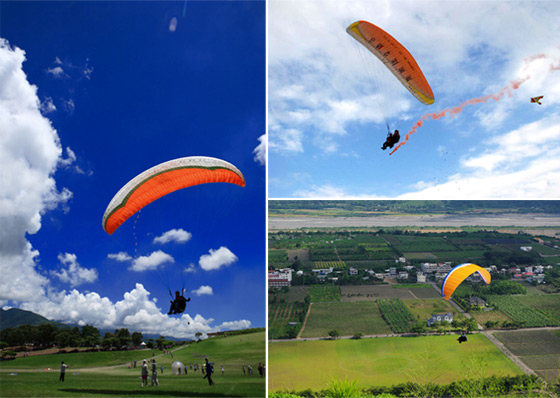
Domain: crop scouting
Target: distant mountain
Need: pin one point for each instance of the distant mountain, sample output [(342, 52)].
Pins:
[(15, 317)]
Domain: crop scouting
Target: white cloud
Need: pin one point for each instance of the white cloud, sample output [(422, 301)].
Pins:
[(74, 274), (120, 256), (260, 151), (174, 235), (204, 290), (57, 72), (29, 154), (190, 268), (47, 106), (217, 259), (153, 261), (521, 164), (288, 140), (136, 311)]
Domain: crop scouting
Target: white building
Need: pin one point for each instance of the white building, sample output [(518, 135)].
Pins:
[(280, 277), (433, 268)]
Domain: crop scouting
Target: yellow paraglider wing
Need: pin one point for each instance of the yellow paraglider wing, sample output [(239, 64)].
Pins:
[(395, 57), (163, 179), (459, 274)]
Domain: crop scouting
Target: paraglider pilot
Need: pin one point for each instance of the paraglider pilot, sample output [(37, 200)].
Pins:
[(392, 139), (462, 338), (179, 304)]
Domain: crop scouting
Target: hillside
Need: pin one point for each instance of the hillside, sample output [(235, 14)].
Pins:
[(15, 317)]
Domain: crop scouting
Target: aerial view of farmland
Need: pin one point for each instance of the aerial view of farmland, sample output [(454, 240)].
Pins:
[(338, 291)]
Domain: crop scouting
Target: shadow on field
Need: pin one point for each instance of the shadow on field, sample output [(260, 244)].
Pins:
[(150, 392)]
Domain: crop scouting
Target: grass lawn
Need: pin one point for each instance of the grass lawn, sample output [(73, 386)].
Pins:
[(299, 365), (347, 318), (96, 374)]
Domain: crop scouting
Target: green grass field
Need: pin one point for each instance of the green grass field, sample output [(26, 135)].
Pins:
[(299, 365), (346, 318), (107, 374)]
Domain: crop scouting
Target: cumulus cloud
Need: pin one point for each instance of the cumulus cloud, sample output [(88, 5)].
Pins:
[(202, 290), (174, 235), (120, 256), (217, 259), (519, 165), (135, 311), (72, 273), (153, 261), (260, 151), (29, 154)]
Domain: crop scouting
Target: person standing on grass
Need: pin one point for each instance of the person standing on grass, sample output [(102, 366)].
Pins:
[(144, 374), (154, 373), (208, 374), (63, 367)]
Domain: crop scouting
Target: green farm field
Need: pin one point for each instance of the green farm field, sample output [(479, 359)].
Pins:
[(346, 318), (108, 374), (422, 309), (299, 365)]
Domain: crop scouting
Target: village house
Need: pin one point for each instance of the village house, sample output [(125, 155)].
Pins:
[(435, 268), (447, 317)]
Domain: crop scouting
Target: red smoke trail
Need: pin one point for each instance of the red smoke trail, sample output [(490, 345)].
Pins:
[(513, 85)]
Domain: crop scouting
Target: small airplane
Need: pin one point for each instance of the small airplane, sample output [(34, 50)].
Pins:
[(537, 99)]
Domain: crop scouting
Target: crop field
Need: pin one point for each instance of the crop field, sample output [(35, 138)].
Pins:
[(459, 255), (320, 293), (539, 349), (277, 256), (548, 304), (420, 256), (329, 264), (516, 309), (346, 318), (423, 309), (299, 365), (281, 314), (424, 292), (486, 316), (372, 292), (396, 314), (103, 374), (297, 293)]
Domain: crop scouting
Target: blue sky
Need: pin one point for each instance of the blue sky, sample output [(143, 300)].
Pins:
[(92, 94), (325, 125)]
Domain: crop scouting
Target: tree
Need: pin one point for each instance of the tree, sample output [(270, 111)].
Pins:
[(137, 338), (123, 336), (334, 334), (46, 334), (90, 336), (110, 340), (68, 338)]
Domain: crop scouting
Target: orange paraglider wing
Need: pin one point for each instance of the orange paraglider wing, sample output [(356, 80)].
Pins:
[(163, 179), (395, 57), (459, 274)]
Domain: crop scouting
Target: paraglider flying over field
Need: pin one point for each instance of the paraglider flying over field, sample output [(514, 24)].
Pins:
[(459, 274), (161, 180), (395, 58), (537, 99)]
